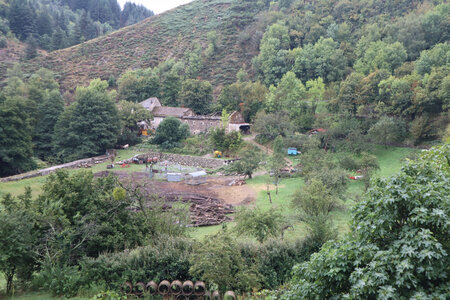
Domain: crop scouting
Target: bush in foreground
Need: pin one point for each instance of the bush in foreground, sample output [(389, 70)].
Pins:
[(399, 245)]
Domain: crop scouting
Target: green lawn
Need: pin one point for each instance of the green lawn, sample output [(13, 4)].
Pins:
[(390, 159), (36, 183)]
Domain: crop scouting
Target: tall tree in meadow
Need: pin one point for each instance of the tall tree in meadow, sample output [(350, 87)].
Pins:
[(15, 138), (49, 110), (90, 125)]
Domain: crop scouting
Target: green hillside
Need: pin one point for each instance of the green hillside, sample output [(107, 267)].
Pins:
[(10, 55), (150, 42), (240, 26)]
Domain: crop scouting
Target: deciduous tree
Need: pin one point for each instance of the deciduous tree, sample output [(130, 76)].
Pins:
[(388, 130), (17, 239), (170, 132), (398, 247), (15, 138), (248, 163), (197, 95), (90, 125), (259, 224)]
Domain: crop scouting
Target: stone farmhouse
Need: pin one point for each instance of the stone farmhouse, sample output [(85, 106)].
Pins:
[(197, 123)]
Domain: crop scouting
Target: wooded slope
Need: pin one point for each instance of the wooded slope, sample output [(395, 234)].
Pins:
[(169, 35)]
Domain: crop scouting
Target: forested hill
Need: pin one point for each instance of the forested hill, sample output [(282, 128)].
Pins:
[(26, 26), (238, 27), (173, 34)]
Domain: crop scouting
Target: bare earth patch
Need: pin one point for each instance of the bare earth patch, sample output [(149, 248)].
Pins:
[(210, 202)]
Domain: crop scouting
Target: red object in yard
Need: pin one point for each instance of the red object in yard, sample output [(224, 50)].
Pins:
[(352, 177), (125, 166), (316, 130)]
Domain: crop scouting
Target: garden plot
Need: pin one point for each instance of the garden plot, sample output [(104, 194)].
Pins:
[(210, 203)]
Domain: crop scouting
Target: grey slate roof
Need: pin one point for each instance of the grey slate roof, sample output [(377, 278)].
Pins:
[(166, 111)]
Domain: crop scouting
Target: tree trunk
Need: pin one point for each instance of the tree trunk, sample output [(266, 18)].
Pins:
[(276, 186), (9, 280)]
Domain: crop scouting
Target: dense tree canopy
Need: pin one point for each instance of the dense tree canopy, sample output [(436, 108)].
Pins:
[(58, 24), (323, 59), (90, 125), (399, 244), (380, 55), (246, 97), (16, 154), (197, 95)]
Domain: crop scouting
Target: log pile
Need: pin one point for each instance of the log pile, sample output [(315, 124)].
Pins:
[(205, 210), (237, 182)]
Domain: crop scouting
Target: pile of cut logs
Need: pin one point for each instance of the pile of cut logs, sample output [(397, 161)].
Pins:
[(237, 182), (205, 210)]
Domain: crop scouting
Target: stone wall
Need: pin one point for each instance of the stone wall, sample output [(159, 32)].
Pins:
[(198, 125), (186, 160), (71, 165)]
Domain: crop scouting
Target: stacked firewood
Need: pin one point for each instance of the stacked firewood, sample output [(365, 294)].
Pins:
[(205, 210)]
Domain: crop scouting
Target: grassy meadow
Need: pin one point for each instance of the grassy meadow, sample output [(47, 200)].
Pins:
[(390, 159)]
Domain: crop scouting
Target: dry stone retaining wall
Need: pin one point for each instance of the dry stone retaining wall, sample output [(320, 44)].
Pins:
[(71, 165), (186, 160)]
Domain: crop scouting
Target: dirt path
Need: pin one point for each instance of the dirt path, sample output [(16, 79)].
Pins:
[(267, 150)]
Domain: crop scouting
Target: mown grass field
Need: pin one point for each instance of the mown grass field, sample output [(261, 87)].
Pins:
[(36, 183), (390, 159)]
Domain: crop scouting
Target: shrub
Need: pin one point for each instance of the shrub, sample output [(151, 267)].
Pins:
[(109, 295), (348, 162), (167, 258), (388, 130), (335, 179), (315, 201), (3, 43), (61, 279), (274, 259), (170, 132), (218, 261)]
